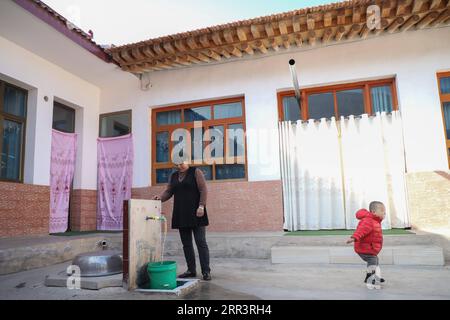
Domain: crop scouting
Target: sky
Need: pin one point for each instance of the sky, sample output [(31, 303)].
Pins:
[(126, 21)]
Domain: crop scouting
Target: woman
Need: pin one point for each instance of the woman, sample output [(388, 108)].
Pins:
[(188, 186)]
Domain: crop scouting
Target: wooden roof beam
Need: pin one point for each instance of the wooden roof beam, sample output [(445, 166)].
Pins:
[(312, 37), (212, 54), (223, 52), (354, 30), (283, 27), (269, 29), (327, 35), (386, 8), (339, 33), (417, 5), (310, 22), (169, 47), (191, 59), (192, 43), (401, 7), (427, 19), (434, 4), (200, 56), (410, 22), (137, 54), (286, 42), (125, 54), (234, 51), (364, 31), (395, 24), (444, 16), (298, 39), (204, 41), (296, 23), (180, 60), (241, 34), (356, 17), (260, 46), (247, 48), (255, 31), (216, 38), (159, 51), (228, 36), (327, 19), (384, 24), (273, 43), (341, 17), (148, 52), (117, 57), (180, 45)]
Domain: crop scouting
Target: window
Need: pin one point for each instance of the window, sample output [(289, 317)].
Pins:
[(212, 134), (444, 94), (63, 118), (115, 124), (13, 109), (339, 100)]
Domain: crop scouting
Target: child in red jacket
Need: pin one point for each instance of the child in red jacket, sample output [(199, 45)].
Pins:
[(368, 240)]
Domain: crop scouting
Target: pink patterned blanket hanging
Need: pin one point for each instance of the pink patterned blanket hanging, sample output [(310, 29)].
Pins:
[(62, 167), (115, 173)]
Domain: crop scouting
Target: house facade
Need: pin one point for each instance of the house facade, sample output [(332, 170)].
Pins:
[(234, 76)]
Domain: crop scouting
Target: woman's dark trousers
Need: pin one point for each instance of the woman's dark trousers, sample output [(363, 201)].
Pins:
[(202, 247)]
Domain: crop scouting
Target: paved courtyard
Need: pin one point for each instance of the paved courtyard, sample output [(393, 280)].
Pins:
[(257, 279)]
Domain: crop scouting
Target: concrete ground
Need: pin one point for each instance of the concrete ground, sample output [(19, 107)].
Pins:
[(237, 279)]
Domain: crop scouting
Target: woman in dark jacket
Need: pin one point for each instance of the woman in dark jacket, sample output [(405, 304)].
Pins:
[(188, 186)]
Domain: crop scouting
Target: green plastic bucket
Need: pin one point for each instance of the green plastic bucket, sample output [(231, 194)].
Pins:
[(163, 275)]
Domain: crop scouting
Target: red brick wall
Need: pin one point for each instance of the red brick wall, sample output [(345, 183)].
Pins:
[(24, 209), (83, 210), (235, 205)]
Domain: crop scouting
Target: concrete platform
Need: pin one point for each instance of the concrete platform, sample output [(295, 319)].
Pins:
[(92, 283), (417, 255)]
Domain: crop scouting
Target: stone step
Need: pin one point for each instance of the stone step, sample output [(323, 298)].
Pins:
[(414, 255)]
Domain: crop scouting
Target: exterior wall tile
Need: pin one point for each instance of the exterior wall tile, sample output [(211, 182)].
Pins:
[(24, 209)]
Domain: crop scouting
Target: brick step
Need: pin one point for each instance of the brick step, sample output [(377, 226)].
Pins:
[(414, 255)]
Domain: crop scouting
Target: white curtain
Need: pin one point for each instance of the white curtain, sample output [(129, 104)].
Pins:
[(330, 170), (312, 181)]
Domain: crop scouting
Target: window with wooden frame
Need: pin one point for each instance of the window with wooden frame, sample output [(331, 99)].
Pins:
[(13, 112), (444, 95), (63, 118), (115, 124), (203, 123), (339, 100)]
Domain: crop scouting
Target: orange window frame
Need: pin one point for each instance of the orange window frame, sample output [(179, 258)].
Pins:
[(206, 124), (365, 85), (444, 98)]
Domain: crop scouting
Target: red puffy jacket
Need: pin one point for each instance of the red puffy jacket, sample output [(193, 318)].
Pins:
[(368, 235)]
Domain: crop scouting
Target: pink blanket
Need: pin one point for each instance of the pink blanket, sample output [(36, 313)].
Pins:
[(62, 167), (115, 173)]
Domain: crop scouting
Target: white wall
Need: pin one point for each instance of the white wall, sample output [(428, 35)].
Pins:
[(413, 57), (43, 78)]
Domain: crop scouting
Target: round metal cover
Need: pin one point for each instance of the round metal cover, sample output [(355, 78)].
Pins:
[(100, 263)]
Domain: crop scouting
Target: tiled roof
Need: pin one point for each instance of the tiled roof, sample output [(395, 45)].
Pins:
[(335, 22), (56, 20)]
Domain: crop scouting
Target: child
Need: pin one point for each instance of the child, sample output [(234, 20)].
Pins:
[(368, 239)]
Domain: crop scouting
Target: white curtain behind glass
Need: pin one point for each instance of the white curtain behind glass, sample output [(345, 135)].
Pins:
[(327, 178), (312, 182)]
